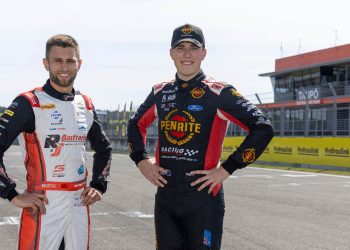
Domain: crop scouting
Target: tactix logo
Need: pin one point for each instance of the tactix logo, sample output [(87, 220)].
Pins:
[(179, 128)]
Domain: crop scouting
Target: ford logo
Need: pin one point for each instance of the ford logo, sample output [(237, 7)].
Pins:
[(195, 108)]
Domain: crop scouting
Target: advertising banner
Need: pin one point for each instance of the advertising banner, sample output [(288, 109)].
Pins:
[(300, 150)]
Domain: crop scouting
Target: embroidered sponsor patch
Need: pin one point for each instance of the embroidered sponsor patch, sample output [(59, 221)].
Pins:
[(59, 171), (248, 155), (48, 106), (167, 173), (187, 29), (184, 85), (179, 127), (81, 170), (235, 93), (9, 112), (195, 108), (197, 92), (207, 238), (13, 105)]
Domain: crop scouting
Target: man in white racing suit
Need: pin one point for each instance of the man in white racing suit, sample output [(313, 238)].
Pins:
[(54, 123)]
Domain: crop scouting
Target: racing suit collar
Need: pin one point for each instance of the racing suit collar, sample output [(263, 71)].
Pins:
[(58, 95), (198, 78)]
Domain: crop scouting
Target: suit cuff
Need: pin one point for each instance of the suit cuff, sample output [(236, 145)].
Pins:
[(102, 187), (230, 165), (138, 156), (12, 194)]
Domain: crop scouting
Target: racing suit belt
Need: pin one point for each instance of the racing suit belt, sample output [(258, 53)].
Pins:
[(60, 186)]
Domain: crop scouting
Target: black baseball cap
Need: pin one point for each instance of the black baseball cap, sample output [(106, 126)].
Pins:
[(188, 33)]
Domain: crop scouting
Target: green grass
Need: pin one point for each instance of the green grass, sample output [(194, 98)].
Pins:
[(309, 170)]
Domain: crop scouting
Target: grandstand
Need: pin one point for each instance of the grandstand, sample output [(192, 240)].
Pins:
[(311, 94), (310, 111)]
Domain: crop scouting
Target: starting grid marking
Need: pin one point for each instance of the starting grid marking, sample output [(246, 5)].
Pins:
[(131, 214), (293, 175), (264, 176), (9, 221)]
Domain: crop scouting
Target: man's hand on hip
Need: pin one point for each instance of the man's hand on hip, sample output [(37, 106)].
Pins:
[(212, 177), (34, 201), (152, 172)]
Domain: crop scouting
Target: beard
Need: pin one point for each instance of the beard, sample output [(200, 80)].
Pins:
[(66, 83)]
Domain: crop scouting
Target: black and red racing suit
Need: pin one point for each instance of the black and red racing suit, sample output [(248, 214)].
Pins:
[(193, 117)]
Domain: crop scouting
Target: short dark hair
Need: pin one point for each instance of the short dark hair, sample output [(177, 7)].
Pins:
[(63, 41)]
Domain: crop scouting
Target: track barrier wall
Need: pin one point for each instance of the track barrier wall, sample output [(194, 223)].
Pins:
[(300, 150)]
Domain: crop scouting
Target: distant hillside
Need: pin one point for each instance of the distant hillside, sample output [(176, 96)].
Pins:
[(2, 109)]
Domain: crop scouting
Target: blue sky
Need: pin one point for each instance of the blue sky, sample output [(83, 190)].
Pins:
[(125, 44)]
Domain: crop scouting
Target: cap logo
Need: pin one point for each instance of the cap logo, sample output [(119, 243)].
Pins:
[(186, 30)]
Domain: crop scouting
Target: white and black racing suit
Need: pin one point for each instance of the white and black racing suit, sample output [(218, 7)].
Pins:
[(53, 129)]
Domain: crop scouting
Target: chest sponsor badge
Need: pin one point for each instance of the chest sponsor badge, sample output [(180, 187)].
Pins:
[(195, 108), (197, 92), (179, 127), (48, 106)]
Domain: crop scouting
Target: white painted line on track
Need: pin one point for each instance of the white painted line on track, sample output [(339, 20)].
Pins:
[(13, 153), (113, 228), (265, 176), (257, 176), (9, 221), (301, 172), (299, 175), (132, 214), (108, 228), (116, 154), (285, 185)]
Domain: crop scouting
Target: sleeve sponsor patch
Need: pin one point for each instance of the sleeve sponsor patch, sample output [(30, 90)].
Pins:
[(9, 112)]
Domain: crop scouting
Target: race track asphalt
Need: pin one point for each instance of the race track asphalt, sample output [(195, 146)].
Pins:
[(265, 209)]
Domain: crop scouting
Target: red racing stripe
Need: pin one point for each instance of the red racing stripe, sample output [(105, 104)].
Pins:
[(212, 156), (147, 118), (233, 119)]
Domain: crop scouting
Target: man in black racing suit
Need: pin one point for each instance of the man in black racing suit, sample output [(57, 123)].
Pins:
[(193, 113)]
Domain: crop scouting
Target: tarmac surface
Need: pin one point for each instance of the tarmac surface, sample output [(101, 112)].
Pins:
[(265, 209)]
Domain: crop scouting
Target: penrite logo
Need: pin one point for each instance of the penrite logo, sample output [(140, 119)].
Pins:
[(179, 128)]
